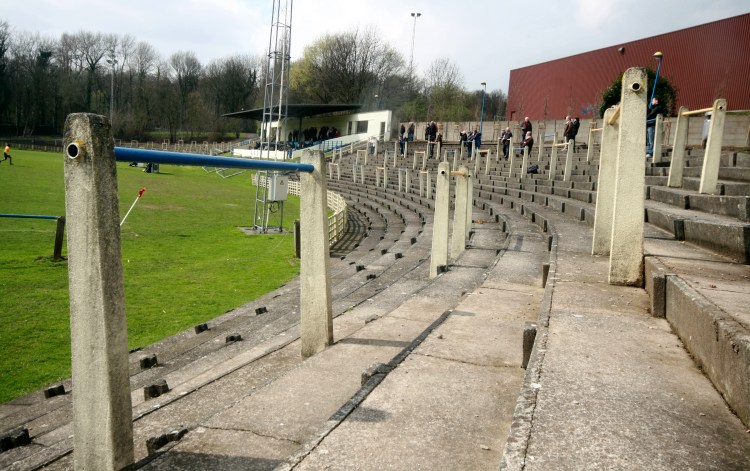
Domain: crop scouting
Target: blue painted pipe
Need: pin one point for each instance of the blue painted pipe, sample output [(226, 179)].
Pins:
[(653, 91), (126, 154), (27, 216)]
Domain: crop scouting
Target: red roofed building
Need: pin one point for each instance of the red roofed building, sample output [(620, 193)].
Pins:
[(702, 63)]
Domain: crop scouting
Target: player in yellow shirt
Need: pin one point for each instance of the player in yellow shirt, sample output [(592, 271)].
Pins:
[(6, 154)]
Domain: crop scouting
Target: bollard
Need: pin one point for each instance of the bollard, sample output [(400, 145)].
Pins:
[(545, 274), (316, 322), (605, 199), (102, 411), (568, 163), (439, 253), (626, 249)]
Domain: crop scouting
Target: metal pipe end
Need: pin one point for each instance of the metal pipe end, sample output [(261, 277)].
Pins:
[(75, 150)]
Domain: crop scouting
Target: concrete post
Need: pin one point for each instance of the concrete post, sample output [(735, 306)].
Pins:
[(677, 165), (102, 412), (469, 203), (439, 253), (712, 156), (658, 138), (540, 140), (512, 158), (499, 148), (525, 162), (568, 163), (458, 241), (605, 186), (590, 146), (553, 158), (487, 162), (626, 250), (316, 321)]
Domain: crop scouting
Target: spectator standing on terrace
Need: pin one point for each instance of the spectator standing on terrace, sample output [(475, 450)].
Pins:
[(528, 141), (576, 126), (505, 139), (6, 154), (567, 130), (525, 126), (402, 131), (411, 132), (655, 110)]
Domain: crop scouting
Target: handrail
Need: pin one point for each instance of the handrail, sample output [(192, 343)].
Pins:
[(125, 154), (613, 119)]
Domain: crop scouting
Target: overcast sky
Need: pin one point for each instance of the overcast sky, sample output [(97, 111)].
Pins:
[(486, 39)]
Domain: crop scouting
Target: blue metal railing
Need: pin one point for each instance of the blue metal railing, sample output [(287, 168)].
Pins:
[(27, 216), (126, 154)]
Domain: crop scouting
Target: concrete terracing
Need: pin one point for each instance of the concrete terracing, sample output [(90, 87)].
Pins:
[(425, 374)]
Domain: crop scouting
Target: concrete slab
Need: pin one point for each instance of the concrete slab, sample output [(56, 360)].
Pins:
[(205, 448), (619, 391), (428, 414)]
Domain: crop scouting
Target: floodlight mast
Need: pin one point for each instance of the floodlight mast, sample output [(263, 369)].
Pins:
[(275, 104)]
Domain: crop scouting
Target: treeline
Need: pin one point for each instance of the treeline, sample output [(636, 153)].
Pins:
[(44, 79)]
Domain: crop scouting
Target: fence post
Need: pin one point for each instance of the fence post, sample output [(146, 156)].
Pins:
[(626, 250), (568, 162), (102, 409), (439, 253), (712, 156), (458, 242), (658, 137), (316, 321), (553, 158), (605, 186), (59, 234), (590, 146), (677, 165)]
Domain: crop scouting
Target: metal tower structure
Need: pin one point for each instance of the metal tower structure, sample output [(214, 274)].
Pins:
[(275, 102)]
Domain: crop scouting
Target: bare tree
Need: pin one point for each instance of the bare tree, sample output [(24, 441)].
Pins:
[(346, 67), (187, 72), (443, 87)]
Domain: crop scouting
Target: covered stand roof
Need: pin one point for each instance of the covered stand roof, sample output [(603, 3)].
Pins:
[(295, 111)]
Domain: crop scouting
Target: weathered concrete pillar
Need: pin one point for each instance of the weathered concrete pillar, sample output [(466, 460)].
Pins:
[(553, 159), (525, 163), (677, 165), (658, 138), (498, 149), (568, 163), (439, 254), (626, 250), (102, 412), (469, 203), (316, 323), (458, 241), (590, 145), (712, 156), (605, 194), (511, 158)]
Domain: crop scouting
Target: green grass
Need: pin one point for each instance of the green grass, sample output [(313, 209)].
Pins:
[(184, 260)]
